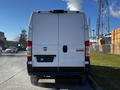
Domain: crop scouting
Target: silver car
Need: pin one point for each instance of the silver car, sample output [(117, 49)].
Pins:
[(0, 50), (11, 49)]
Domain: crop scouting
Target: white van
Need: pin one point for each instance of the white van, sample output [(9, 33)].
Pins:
[(58, 45)]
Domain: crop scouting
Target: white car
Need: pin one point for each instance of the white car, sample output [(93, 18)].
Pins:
[(11, 49)]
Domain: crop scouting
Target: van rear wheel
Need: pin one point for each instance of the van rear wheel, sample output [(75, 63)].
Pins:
[(83, 79), (59, 80), (34, 80)]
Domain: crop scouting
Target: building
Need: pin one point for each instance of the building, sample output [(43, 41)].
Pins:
[(2, 40), (12, 43), (115, 41)]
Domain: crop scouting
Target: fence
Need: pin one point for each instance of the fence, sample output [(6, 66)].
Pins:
[(106, 48)]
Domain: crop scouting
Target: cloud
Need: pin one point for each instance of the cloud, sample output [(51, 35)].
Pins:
[(74, 5), (115, 12)]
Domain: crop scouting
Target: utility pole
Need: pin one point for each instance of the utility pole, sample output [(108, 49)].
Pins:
[(103, 19), (108, 17), (93, 31), (89, 26), (98, 19)]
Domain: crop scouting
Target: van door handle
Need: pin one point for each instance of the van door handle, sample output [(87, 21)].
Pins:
[(65, 48)]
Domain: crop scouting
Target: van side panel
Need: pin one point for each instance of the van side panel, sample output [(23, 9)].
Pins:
[(71, 34)]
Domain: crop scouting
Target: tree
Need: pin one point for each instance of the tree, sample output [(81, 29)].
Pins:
[(22, 39)]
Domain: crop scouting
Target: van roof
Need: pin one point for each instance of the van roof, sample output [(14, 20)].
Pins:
[(56, 11)]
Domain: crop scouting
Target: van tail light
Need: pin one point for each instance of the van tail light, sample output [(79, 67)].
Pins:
[(87, 50), (29, 50)]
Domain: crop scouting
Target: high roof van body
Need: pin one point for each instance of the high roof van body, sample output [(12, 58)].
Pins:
[(58, 45)]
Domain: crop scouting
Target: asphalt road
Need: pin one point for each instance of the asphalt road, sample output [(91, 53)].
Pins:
[(13, 76)]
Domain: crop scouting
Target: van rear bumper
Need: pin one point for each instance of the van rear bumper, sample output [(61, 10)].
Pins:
[(57, 72)]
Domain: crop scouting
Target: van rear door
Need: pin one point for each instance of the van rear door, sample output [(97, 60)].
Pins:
[(45, 40), (71, 40)]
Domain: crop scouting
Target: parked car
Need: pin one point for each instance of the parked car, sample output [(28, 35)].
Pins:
[(11, 49), (58, 45), (0, 50)]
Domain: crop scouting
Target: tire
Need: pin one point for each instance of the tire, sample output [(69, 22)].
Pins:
[(34, 80), (59, 80), (83, 79)]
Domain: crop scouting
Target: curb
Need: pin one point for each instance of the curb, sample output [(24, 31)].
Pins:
[(13, 55), (93, 83)]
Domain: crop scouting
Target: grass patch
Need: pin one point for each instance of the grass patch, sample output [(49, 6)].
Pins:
[(106, 70)]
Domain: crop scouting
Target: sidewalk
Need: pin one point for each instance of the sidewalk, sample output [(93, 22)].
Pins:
[(20, 53)]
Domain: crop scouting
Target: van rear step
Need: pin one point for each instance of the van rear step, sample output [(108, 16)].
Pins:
[(55, 72), (58, 69)]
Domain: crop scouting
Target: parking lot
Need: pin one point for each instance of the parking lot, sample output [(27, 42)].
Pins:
[(13, 76)]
